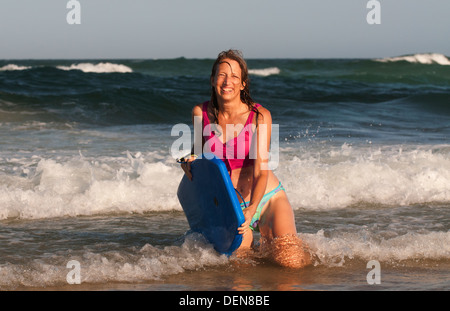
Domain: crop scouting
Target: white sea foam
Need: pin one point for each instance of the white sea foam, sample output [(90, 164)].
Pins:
[(336, 249), (134, 265), (346, 175), (13, 67), (431, 58), (148, 263), (314, 179), (265, 72), (98, 68), (78, 186)]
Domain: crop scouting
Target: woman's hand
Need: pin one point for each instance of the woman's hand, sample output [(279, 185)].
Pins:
[(186, 165), (248, 215)]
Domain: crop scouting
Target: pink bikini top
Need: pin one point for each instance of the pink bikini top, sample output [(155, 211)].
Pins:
[(235, 153)]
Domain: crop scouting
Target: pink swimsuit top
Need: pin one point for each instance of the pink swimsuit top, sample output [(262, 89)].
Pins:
[(235, 153)]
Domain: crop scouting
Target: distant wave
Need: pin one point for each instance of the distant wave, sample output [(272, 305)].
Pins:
[(85, 67), (97, 68), (13, 67), (430, 58), (265, 72)]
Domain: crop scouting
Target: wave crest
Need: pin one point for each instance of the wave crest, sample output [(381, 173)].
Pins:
[(78, 186), (335, 250), (343, 177), (13, 67), (135, 265), (427, 59), (265, 72), (98, 68)]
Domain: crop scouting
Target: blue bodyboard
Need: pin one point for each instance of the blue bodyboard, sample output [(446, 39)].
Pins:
[(211, 205)]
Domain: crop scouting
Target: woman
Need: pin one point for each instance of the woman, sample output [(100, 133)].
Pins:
[(234, 125)]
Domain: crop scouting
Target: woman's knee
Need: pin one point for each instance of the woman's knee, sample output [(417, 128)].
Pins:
[(289, 251)]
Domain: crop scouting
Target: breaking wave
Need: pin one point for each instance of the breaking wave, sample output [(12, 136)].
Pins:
[(428, 59)]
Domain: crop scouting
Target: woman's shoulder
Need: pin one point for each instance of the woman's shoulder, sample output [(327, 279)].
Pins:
[(197, 110), (264, 114)]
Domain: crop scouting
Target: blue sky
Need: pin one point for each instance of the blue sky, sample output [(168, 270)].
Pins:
[(202, 28)]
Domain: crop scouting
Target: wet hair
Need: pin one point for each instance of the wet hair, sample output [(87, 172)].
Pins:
[(245, 93)]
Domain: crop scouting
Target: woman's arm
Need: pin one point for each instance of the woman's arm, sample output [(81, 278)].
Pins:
[(260, 170)]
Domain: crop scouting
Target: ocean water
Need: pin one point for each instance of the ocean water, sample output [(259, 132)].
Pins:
[(87, 174)]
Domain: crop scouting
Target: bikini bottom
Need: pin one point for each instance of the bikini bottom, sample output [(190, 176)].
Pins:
[(255, 220)]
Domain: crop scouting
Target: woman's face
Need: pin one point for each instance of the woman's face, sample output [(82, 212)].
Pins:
[(228, 80)]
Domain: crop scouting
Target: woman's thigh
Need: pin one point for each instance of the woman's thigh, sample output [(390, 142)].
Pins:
[(277, 218)]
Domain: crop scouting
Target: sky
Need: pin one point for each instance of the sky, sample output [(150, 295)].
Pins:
[(156, 29)]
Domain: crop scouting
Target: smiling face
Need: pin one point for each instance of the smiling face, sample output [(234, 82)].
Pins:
[(227, 81)]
